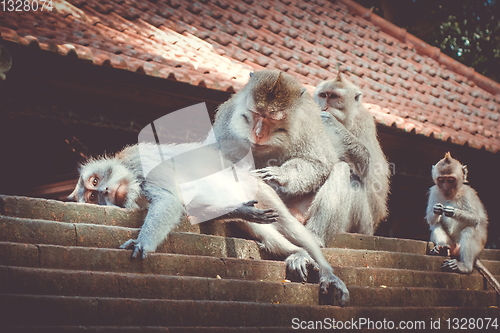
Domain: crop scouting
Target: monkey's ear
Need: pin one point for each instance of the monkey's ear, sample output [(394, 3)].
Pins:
[(465, 172), (357, 96), (251, 74), (73, 194)]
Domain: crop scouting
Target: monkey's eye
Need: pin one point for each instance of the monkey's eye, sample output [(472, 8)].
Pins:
[(323, 95), (92, 197), (440, 180), (246, 118), (95, 181)]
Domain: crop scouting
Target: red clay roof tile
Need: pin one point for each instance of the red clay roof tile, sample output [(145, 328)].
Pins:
[(406, 83)]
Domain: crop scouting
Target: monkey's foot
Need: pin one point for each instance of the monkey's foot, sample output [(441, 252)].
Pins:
[(440, 250), (253, 214), (297, 264), (138, 248), (453, 265), (330, 284)]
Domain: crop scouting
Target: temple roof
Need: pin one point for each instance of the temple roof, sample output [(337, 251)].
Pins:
[(216, 44)]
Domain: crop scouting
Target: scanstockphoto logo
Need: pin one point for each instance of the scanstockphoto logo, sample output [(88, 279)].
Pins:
[(179, 152)]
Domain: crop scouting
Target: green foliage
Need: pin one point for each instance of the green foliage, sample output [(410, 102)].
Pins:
[(466, 30), (471, 34)]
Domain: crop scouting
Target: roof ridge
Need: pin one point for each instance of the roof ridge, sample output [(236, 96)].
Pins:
[(422, 47)]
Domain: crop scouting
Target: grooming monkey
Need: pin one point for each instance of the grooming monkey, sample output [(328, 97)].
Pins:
[(353, 134), (119, 181), (275, 117), (456, 216)]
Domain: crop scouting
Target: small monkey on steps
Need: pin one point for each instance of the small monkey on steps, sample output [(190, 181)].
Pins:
[(456, 216), (457, 220)]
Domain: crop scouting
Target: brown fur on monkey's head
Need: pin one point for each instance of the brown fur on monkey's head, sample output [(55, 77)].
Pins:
[(274, 92), (449, 174), (447, 166)]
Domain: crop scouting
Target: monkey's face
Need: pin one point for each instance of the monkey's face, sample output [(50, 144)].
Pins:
[(337, 97), (448, 185), (267, 124), (332, 98), (103, 182), (449, 175), (263, 108)]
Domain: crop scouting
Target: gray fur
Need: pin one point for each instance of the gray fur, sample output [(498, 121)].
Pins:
[(166, 209), (353, 134), (295, 162), (457, 219), (159, 191)]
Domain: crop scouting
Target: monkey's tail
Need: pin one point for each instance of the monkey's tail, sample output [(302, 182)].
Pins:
[(487, 275)]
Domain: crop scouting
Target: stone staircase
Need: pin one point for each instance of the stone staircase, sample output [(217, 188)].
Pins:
[(61, 271)]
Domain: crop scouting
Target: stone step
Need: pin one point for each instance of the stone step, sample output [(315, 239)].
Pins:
[(381, 259), (31, 310), (146, 329), (112, 260), (30, 229), (33, 211), (71, 212), (22, 280), (490, 254), (90, 235), (53, 210), (39, 281)]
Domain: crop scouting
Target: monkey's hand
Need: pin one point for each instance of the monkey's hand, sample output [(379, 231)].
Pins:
[(449, 211), (330, 284), (271, 173), (138, 248), (438, 209), (274, 177), (253, 214), (440, 250)]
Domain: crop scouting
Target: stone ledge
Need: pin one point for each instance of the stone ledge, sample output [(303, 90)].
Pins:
[(150, 286), (70, 310)]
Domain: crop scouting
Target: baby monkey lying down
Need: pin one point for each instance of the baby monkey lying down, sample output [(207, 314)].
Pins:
[(119, 181)]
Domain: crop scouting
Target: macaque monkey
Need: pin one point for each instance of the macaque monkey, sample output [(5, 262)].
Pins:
[(353, 134), (275, 117), (119, 181), (456, 216)]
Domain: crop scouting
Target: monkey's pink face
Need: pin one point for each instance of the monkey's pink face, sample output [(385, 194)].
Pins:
[(265, 125), (448, 185)]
